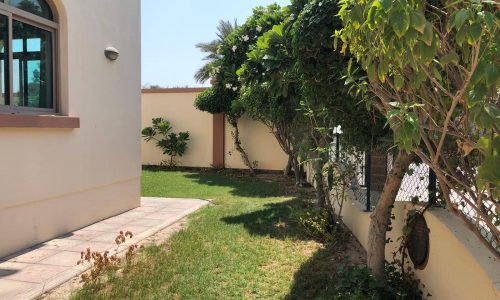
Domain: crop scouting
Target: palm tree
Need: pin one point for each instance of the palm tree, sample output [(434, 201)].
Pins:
[(223, 30)]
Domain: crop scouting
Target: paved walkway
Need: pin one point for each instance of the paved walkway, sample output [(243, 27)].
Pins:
[(30, 273)]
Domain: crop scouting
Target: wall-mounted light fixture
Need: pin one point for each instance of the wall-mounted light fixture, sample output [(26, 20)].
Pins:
[(112, 53)]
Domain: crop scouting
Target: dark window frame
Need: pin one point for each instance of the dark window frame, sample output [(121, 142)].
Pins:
[(15, 14)]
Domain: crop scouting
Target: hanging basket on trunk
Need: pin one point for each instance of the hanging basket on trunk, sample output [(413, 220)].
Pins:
[(418, 241)]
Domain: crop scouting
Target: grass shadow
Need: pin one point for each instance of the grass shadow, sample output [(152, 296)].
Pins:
[(276, 220), (233, 182), (243, 185), (316, 278)]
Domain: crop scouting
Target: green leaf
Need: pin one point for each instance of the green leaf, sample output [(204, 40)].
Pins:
[(489, 171), (484, 144), (428, 34), (449, 24), (491, 74), (460, 18), (400, 21), (451, 57), (427, 53), (417, 21), (399, 81), (437, 74), (490, 21), (383, 69), (372, 72), (371, 16), (475, 31), (461, 35), (357, 15), (386, 4)]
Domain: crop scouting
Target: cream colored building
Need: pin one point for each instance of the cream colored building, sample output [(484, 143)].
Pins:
[(69, 116)]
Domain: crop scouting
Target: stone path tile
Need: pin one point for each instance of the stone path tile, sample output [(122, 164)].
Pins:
[(36, 273), (102, 227), (9, 268), (60, 244), (160, 216), (63, 259), (93, 246), (106, 237), (82, 235), (135, 229), (148, 209), (11, 289), (31, 255), (31, 272), (118, 220), (134, 214), (146, 222)]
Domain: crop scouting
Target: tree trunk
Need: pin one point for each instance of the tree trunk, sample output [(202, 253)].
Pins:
[(381, 216), (289, 167), (318, 180), (297, 170), (237, 145)]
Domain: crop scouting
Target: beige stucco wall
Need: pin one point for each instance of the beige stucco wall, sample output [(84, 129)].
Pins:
[(459, 266), (56, 180), (178, 107), (260, 144)]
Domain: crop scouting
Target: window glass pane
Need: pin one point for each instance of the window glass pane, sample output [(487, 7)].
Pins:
[(34, 45), (17, 45), (36, 7), (4, 56), (32, 66)]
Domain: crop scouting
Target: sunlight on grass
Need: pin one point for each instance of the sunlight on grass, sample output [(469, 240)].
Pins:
[(245, 245)]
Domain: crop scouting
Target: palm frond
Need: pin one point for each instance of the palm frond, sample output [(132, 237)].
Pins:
[(223, 30), (203, 74)]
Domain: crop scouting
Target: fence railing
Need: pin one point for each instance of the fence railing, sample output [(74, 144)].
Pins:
[(419, 185)]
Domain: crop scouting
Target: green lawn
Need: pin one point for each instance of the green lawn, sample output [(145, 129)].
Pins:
[(246, 245)]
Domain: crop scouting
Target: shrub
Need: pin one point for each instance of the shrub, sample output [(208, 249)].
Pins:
[(172, 144), (355, 282), (317, 225), (213, 102)]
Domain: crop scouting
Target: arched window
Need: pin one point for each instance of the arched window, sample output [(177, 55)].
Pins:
[(27, 57)]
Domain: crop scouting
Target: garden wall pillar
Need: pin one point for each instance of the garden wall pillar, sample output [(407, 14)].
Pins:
[(218, 141)]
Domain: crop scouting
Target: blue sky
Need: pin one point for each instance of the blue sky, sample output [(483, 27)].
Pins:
[(171, 28)]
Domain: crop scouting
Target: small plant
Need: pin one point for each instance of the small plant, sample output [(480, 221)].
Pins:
[(355, 282), (172, 144), (316, 224), (101, 263)]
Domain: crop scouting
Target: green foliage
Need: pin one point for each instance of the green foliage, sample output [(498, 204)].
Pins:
[(233, 54), (211, 48), (212, 101), (438, 62), (271, 90), (316, 224), (358, 283), (322, 71), (405, 120), (268, 74), (170, 143)]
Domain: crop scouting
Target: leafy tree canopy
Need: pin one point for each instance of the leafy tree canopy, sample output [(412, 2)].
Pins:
[(233, 54), (322, 71), (434, 68)]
